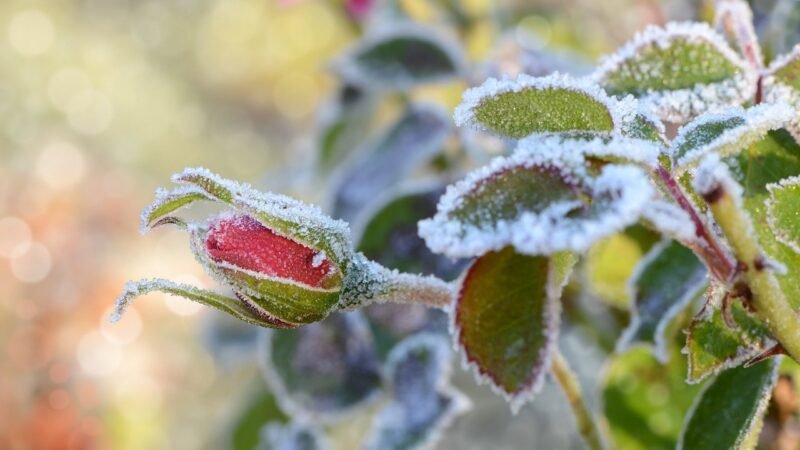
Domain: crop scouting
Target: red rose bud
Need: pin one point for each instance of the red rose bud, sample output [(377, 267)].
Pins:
[(275, 275), (244, 242)]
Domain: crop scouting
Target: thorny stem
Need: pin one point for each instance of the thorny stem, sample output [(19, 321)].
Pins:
[(587, 425), (717, 259), (768, 299)]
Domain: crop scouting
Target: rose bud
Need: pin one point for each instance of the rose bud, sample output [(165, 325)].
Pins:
[(285, 261)]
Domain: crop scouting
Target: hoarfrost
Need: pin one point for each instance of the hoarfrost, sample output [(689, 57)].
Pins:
[(615, 147), (472, 98), (739, 129), (620, 194), (670, 219), (680, 105), (772, 214), (712, 174)]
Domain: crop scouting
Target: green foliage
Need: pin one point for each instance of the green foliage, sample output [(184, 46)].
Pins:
[(645, 401), (782, 211), (738, 399)]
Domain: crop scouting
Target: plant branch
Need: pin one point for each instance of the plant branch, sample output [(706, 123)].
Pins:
[(717, 259), (763, 291), (587, 425)]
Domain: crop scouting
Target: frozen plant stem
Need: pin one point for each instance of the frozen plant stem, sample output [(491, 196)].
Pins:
[(587, 426), (709, 250), (768, 298)]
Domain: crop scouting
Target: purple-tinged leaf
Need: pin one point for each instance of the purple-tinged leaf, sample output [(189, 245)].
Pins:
[(506, 319)]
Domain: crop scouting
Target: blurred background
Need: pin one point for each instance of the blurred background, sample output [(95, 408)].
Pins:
[(100, 101)]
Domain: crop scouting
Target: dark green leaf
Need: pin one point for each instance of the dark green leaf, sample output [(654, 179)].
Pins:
[(730, 410), (665, 282), (400, 57), (783, 208)]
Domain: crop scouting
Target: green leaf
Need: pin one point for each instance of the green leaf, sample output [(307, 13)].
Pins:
[(645, 401), (400, 57), (781, 83), (726, 133), (681, 71), (642, 126), (666, 280), (167, 202), (774, 158), (259, 410), (527, 105), (411, 141), (423, 403), (324, 369), (537, 205), (343, 124), (235, 307), (712, 345), (730, 410), (783, 207), (506, 319)]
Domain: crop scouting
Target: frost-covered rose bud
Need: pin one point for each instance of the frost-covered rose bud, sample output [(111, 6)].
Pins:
[(287, 263), (288, 279)]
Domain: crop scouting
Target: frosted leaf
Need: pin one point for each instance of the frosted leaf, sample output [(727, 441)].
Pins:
[(679, 71), (167, 202), (726, 132), (740, 395), (322, 371), (292, 436), (669, 219), (536, 202), (770, 160), (398, 57), (553, 104), (414, 139), (640, 123), (781, 83), (783, 207), (300, 221), (664, 282), (422, 404), (235, 307), (506, 319), (712, 345), (712, 174), (613, 148), (736, 18)]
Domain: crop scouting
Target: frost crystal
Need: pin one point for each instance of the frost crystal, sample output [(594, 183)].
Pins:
[(712, 174), (613, 147), (726, 132), (674, 95), (783, 223), (619, 193), (473, 98), (670, 219)]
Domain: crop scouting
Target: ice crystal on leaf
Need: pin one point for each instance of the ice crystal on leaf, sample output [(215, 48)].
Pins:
[(680, 71), (526, 105), (726, 132), (538, 201), (783, 207)]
